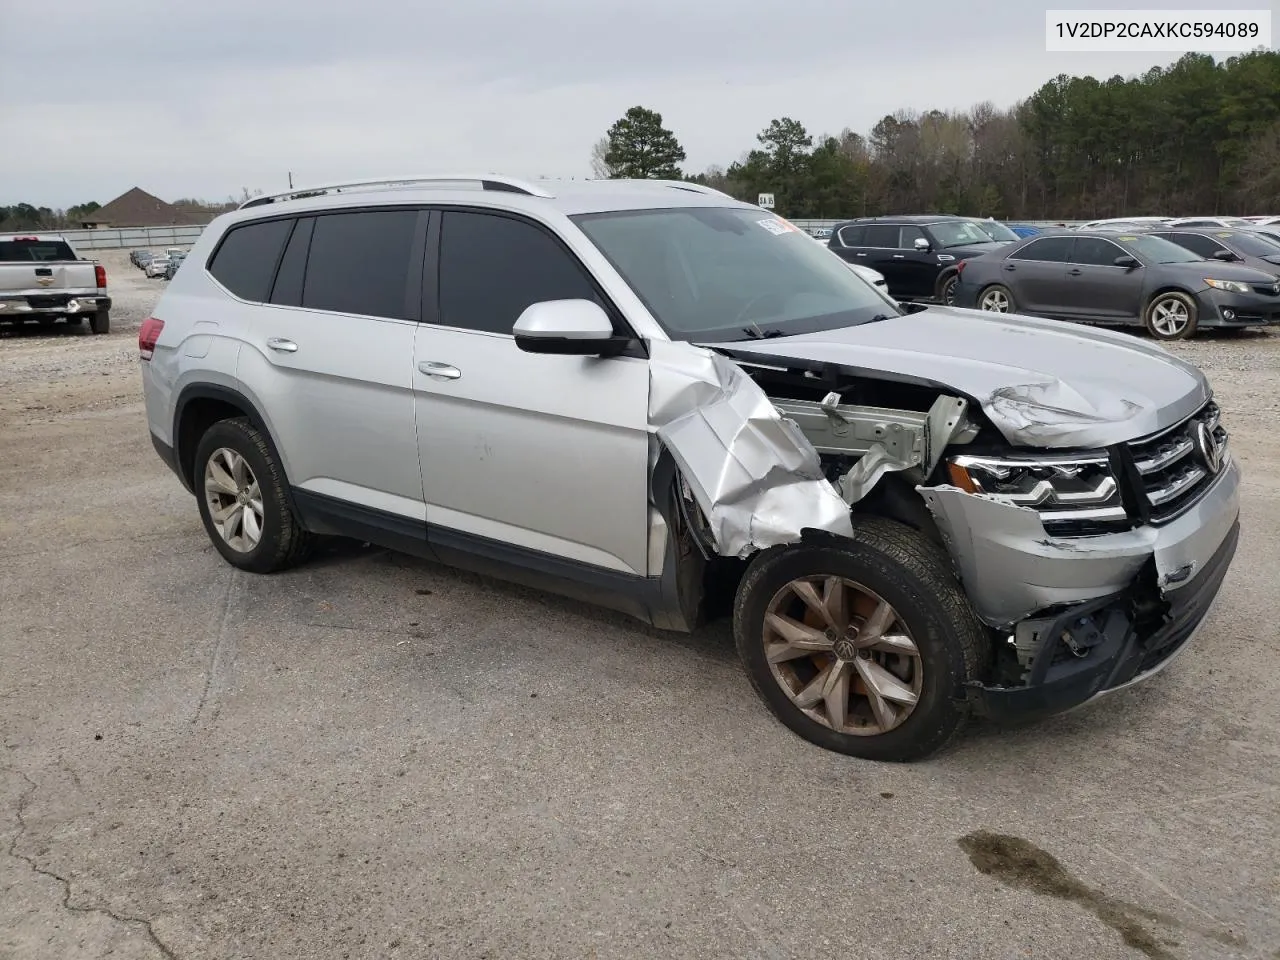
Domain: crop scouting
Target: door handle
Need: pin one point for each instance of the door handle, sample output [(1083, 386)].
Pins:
[(282, 345), (1074, 273), (439, 371), (899, 256), (1010, 267), (859, 254)]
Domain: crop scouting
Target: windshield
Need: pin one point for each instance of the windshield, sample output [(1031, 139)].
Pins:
[(723, 273), (995, 230), (959, 233), (1158, 250), (1252, 244)]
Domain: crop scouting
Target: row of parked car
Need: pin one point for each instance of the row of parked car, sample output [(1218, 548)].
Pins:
[(1172, 277), (158, 265)]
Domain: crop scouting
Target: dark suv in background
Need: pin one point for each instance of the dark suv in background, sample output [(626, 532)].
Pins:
[(917, 254)]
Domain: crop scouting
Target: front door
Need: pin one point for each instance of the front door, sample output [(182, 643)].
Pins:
[(524, 455), (1095, 288)]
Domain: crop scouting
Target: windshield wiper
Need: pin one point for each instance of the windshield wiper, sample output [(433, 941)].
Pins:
[(755, 333)]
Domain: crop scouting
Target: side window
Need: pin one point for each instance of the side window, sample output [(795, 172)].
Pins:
[(1046, 250), (852, 236), (359, 263), (909, 237), (288, 288), (882, 235), (492, 267), (1197, 243), (247, 256), (1095, 251)]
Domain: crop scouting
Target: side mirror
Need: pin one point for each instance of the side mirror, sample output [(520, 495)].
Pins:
[(1127, 262), (1225, 255), (921, 244), (574, 327)]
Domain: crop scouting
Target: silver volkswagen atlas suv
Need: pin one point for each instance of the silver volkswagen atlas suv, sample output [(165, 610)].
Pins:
[(651, 396)]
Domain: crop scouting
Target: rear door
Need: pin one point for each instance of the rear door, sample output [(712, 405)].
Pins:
[(847, 243), (1036, 274), (1095, 288), (329, 354)]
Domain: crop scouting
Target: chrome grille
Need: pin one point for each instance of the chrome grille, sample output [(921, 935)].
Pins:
[(1177, 466)]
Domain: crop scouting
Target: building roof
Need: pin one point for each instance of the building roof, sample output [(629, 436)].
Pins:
[(137, 208)]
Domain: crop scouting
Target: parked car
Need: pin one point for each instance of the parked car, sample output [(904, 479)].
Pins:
[(1219, 222), (1124, 222), (916, 254), (1248, 247), (873, 277), (134, 256), (175, 261), (156, 267), (1116, 278), (144, 257), (42, 278), (1021, 230), (655, 397)]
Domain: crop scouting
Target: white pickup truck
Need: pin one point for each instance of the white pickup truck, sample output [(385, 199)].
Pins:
[(42, 278)]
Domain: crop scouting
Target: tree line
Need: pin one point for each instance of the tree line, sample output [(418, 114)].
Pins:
[(1195, 138)]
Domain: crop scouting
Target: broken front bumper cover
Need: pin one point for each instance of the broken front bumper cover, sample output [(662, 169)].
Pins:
[(1123, 639)]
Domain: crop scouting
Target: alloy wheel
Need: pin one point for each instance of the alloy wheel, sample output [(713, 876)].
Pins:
[(234, 499), (1170, 317), (842, 655), (995, 301)]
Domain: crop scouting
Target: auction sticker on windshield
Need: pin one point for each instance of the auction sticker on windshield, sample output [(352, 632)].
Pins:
[(777, 226)]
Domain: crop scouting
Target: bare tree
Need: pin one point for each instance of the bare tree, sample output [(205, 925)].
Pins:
[(599, 167)]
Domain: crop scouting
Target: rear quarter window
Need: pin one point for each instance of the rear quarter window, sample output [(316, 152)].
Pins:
[(246, 259), (34, 251)]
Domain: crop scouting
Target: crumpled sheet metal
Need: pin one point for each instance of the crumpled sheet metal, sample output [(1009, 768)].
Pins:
[(757, 479), (1055, 414)]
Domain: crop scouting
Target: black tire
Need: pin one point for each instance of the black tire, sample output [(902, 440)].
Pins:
[(914, 576), (947, 289), (1169, 298), (284, 543), (1001, 290), (100, 322)]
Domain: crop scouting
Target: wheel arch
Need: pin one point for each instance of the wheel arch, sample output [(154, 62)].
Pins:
[(198, 407)]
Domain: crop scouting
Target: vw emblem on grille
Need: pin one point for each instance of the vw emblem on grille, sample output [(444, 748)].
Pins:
[(1212, 448), (1275, 289)]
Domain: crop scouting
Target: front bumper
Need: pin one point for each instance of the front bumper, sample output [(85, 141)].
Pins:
[(58, 304), (1098, 647), (1219, 308)]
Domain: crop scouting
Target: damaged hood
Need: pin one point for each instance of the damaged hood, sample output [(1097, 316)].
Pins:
[(1042, 383)]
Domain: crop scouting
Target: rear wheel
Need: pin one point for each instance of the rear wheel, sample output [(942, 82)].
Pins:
[(996, 299), (100, 322), (862, 646), (1171, 316), (243, 498)]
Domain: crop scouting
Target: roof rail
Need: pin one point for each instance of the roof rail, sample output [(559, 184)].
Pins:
[(667, 184), (465, 181)]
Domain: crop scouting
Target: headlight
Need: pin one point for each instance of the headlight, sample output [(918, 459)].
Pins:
[(1231, 286), (1074, 496)]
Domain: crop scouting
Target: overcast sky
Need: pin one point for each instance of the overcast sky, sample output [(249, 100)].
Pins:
[(202, 99)]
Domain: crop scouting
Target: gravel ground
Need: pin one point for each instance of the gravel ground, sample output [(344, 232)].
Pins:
[(373, 756)]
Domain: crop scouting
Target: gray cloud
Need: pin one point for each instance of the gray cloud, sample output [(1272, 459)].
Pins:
[(200, 100)]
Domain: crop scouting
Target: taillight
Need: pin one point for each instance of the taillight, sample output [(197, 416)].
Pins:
[(100, 274), (148, 334)]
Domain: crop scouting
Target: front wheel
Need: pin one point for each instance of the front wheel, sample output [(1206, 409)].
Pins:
[(947, 290), (862, 646), (1171, 316)]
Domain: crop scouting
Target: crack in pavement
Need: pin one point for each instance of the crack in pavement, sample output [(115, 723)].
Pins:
[(146, 925), (224, 655)]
